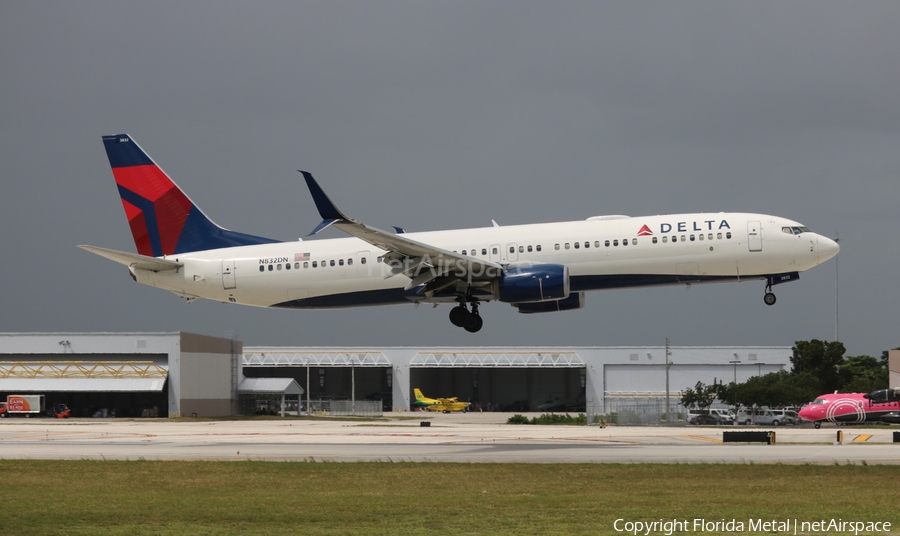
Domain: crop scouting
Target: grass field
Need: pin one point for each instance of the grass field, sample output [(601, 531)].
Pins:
[(144, 497)]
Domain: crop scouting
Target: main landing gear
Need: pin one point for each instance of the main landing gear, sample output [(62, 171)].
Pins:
[(470, 321)]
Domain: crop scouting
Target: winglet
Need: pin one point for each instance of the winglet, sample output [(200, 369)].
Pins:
[(330, 213)]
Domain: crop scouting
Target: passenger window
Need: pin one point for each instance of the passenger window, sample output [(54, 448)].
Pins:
[(464, 252), (615, 242), (315, 264), (606, 243), (537, 247), (719, 236), (683, 238), (587, 245), (710, 236), (297, 265), (362, 260), (484, 251), (349, 262), (306, 264), (512, 249), (728, 235), (596, 243), (577, 245), (567, 245), (556, 247), (625, 242), (287, 266), (271, 267), (665, 239), (521, 249), (654, 239), (529, 249), (262, 268), (331, 262), (634, 241), (380, 259), (341, 262), (692, 238), (494, 250)]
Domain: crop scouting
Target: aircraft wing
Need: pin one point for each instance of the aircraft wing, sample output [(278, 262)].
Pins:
[(134, 260), (424, 264)]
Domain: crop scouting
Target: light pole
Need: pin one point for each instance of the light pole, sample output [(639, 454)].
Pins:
[(668, 353), (735, 362)]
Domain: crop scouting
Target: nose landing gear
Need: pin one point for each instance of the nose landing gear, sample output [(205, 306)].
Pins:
[(470, 321), (777, 279)]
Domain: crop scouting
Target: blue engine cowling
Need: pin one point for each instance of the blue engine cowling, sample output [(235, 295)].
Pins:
[(574, 301), (529, 283)]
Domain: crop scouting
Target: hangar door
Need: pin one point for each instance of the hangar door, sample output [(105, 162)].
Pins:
[(499, 381)]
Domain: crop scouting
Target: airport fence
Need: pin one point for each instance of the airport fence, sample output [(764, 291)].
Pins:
[(635, 412), (346, 408)]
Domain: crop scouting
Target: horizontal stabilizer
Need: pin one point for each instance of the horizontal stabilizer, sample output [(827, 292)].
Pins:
[(134, 260)]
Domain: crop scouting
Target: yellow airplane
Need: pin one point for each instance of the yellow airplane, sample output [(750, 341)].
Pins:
[(445, 405)]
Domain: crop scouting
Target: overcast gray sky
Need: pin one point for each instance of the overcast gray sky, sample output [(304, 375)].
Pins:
[(433, 115)]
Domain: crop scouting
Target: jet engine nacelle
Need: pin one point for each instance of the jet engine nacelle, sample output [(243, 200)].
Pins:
[(533, 282), (574, 301), (884, 395)]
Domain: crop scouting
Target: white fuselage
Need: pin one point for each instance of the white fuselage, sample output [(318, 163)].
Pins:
[(601, 252)]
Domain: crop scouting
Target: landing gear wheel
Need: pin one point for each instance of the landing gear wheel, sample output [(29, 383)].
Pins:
[(474, 323), (769, 298), (817, 425), (459, 315)]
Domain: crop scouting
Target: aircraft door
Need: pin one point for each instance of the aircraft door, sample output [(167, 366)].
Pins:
[(495, 255), (364, 262), (754, 236), (512, 252), (228, 281)]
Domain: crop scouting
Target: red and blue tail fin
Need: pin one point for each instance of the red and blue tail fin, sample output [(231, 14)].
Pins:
[(163, 220)]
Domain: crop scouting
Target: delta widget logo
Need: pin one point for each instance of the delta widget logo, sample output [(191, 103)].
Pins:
[(645, 231)]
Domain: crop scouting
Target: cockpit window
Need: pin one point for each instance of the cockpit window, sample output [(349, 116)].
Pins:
[(820, 401), (795, 230)]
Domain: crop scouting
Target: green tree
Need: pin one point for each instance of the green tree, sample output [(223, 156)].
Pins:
[(820, 358), (701, 396), (777, 389), (863, 374)]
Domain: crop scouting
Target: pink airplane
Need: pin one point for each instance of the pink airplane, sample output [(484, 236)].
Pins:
[(882, 405)]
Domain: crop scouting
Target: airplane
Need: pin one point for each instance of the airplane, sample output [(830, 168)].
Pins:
[(882, 405), (445, 405), (537, 268)]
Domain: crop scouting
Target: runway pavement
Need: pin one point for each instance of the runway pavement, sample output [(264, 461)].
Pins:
[(480, 438)]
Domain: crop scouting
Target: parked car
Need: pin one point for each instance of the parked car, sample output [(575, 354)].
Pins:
[(708, 418), (725, 415), (786, 416)]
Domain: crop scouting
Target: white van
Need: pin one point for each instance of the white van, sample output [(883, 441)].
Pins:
[(763, 416)]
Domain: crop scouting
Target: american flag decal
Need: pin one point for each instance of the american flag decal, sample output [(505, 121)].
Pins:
[(301, 256)]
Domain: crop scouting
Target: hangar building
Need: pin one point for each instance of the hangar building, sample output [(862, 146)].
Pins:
[(174, 374), (136, 374), (513, 379)]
